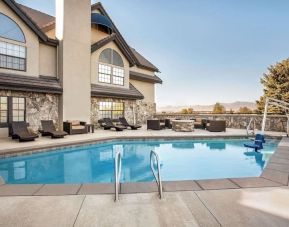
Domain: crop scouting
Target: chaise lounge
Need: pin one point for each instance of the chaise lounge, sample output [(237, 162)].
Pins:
[(48, 129), (108, 124), (20, 131), (124, 122)]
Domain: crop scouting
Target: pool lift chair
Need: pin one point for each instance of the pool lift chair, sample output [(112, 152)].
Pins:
[(258, 143)]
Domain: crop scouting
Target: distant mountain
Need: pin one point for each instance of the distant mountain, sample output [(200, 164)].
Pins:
[(234, 106)]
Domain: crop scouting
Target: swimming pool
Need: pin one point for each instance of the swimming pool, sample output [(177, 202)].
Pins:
[(180, 160)]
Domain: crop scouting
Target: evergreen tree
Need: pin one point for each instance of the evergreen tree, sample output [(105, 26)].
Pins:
[(276, 85)]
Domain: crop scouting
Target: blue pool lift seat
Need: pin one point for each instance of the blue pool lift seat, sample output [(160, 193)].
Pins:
[(258, 143)]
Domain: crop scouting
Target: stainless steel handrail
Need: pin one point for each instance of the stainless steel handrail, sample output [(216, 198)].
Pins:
[(117, 172), (158, 174), (249, 125)]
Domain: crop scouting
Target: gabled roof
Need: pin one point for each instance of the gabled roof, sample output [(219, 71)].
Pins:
[(40, 18), (29, 83), (16, 8), (45, 22), (108, 39), (140, 61), (115, 92)]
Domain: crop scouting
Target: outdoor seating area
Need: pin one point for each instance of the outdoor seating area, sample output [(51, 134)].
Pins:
[(22, 131), (184, 125)]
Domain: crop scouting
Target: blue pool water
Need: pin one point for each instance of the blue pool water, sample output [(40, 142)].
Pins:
[(180, 160)]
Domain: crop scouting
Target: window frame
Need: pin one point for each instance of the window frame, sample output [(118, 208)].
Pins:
[(111, 110), (15, 40), (112, 67), (10, 110), (11, 56)]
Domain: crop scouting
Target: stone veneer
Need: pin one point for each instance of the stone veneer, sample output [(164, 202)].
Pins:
[(39, 106), (239, 121), (143, 110)]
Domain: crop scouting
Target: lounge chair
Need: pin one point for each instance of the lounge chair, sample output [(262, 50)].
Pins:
[(48, 129), (124, 122), (20, 131), (108, 124)]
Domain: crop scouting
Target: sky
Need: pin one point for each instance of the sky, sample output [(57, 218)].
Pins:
[(208, 51)]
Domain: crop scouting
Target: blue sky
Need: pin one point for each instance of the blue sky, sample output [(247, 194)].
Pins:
[(207, 50)]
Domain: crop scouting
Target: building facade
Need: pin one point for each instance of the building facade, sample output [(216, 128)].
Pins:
[(75, 66)]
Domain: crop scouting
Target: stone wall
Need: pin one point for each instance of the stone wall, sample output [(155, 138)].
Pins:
[(240, 121), (138, 110), (39, 106)]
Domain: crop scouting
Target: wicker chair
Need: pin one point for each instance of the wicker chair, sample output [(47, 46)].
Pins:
[(216, 126)]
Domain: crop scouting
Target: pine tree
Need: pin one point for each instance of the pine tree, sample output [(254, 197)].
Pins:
[(276, 85)]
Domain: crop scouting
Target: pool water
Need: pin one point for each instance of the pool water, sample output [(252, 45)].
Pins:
[(180, 160)]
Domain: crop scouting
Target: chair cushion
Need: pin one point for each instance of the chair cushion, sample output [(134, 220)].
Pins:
[(198, 119), (75, 123), (78, 127)]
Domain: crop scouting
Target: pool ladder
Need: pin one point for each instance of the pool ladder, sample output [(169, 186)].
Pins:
[(154, 158), (117, 171)]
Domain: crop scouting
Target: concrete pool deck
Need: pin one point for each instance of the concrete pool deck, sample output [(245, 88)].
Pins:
[(264, 207)]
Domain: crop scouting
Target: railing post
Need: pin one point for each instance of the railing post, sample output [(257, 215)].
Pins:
[(158, 175), (117, 172)]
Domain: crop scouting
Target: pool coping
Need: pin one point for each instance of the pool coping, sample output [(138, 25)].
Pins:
[(19, 151), (275, 174)]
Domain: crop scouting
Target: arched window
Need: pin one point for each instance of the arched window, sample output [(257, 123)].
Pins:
[(111, 67), (12, 56), (10, 30)]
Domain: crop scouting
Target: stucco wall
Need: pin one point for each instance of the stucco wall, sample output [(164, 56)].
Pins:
[(147, 89), (32, 44), (95, 63), (96, 34), (48, 60)]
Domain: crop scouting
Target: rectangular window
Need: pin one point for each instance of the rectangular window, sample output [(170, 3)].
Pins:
[(112, 110), (3, 110), (104, 74), (110, 75), (12, 56), (18, 109), (118, 76), (12, 109)]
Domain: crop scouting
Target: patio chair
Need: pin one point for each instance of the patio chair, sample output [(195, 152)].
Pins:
[(48, 129), (108, 124), (75, 127), (20, 131), (155, 125), (216, 126), (124, 122)]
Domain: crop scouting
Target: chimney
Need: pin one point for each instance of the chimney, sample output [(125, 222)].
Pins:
[(73, 29)]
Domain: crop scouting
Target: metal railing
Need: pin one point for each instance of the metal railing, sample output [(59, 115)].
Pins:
[(117, 171), (249, 126), (154, 157)]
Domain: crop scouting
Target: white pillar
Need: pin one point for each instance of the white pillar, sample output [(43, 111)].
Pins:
[(73, 29), (265, 115)]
